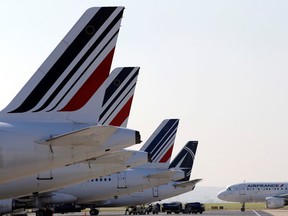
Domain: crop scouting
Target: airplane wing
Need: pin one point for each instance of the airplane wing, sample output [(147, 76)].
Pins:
[(124, 157), (285, 196), (87, 136), (169, 174), (47, 198), (190, 183)]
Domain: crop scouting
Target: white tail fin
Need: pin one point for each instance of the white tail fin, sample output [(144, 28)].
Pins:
[(161, 142), (73, 72), (111, 104), (118, 97)]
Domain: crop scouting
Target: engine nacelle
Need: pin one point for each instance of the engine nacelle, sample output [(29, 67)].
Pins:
[(6, 206), (55, 198), (67, 208), (274, 202), (10, 205)]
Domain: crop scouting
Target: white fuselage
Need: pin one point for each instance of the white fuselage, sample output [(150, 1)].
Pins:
[(75, 173), (117, 184), (252, 192), (21, 153), (145, 196)]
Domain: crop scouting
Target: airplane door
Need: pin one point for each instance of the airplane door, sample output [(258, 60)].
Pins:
[(155, 191), (45, 175), (241, 190), (121, 180)]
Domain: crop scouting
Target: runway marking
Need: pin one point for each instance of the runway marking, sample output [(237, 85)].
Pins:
[(256, 213)]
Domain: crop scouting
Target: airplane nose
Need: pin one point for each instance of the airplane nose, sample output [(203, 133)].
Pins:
[(221, 195)]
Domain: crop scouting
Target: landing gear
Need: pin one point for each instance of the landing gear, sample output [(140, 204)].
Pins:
[(44, 212), (94, 211), (243, 207)]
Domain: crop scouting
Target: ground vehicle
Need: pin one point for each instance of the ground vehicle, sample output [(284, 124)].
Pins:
[(194, 208), (154, 209), (135, 210), (175, 207), (142, 209)]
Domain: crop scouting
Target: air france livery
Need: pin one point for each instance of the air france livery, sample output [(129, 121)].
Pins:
[(183, 161), (159, 146), (115, 111), (54, 120), (274, 194)]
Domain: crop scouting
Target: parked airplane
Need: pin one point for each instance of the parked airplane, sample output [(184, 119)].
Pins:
[(52, 122), (183, 161), (159, 146), (141, 177), (274, 194), (115, 110)]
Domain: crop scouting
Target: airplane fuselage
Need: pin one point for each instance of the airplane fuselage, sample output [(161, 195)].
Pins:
[(120, 183), (23, 150), (145, 196), (252, 192), (73, 174)]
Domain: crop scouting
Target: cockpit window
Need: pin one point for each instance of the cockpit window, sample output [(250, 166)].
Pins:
[(229, 189)]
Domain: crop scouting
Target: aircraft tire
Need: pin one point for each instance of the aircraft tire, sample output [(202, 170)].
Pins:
[(94, 212)]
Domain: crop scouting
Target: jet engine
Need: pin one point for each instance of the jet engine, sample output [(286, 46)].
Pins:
[(67, 208), (8, 205), (274, 202)]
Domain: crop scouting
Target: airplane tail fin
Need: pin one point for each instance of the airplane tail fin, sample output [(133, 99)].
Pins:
[(185, 159), (73, 72), (118, 97), (161, 142)]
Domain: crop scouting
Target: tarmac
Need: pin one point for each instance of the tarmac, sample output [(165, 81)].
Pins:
[(265, 212)]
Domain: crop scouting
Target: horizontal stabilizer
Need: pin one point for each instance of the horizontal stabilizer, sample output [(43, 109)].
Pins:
[(124, 157), (102, 137), (169, 174), (190, 183), (93, 135)]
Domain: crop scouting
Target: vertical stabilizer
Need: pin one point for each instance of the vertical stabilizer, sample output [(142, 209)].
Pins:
[(161, 142), (115, 95), (72, 73), (118, 97), (185, 159)]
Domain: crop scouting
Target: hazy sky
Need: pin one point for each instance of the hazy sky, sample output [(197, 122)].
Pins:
[(220, 66)]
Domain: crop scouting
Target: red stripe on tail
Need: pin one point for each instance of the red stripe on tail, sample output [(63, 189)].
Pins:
[(91, 85), (123, 114), (167, 156)]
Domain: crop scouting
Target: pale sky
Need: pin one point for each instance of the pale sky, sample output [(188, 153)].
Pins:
[(220, 66)]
